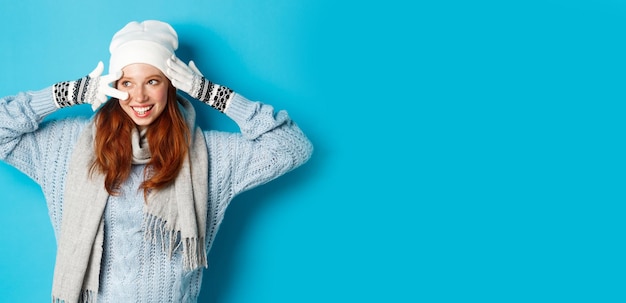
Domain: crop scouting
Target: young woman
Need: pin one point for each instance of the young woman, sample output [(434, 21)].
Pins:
[(136, 193)]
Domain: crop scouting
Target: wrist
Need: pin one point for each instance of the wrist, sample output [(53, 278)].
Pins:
[(42, 102), (240, 109), (214, 95), (68, 93)]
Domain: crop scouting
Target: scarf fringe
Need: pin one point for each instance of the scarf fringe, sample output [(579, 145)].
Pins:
[(194, 253), (194, 250), (86, 296), (80, 241)]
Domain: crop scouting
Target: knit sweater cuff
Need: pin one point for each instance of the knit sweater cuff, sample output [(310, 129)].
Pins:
[(41, 102), (240, 109)]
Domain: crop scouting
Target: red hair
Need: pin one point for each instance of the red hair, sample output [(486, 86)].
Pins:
[(168, 138)]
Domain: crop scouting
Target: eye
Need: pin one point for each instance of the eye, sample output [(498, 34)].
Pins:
[(153, 82), (125, 83)]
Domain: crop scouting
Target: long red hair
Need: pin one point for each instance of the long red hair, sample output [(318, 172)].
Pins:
[(168, 138)]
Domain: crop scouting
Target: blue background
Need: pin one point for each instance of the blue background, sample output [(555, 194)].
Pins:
[(466, 151)]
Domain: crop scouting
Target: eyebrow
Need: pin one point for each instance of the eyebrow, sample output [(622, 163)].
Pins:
[(147, 77), (155, 76)]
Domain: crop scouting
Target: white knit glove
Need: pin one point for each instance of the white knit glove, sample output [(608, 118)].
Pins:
[(190, 80), (92, 89)]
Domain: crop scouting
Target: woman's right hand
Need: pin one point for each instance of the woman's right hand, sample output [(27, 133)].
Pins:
[(92, 89)]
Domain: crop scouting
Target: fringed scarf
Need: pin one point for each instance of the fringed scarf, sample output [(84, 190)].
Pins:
[(175, 215)]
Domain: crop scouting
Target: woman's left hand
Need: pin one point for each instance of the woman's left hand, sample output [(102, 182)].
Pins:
[(190, 80)]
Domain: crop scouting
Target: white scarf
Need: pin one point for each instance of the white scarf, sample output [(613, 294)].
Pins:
[(175, 215)]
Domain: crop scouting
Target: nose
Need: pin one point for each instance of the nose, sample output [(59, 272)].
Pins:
[(139, 94)]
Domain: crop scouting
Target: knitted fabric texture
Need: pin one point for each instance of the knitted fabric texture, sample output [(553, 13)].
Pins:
[(69, 93), (134, 267), (176, 213), (268, 146)]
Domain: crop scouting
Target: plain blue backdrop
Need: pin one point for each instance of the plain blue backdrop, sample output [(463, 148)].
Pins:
[(465, 151)]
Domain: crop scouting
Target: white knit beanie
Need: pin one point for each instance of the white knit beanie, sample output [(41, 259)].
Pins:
[(151, 42)]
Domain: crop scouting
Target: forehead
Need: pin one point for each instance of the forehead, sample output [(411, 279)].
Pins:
[(141, 70)]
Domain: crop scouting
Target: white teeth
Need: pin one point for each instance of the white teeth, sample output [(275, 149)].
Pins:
[(142, 110)]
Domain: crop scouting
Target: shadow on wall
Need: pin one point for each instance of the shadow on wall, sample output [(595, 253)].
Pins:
[(193, 45), (221, 275), (219, 278), (220, 63)]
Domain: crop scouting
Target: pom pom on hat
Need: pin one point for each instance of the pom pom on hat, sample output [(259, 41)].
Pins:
[(151, 42)]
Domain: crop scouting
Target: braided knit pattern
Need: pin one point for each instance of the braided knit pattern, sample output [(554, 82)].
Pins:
[(134, 270)]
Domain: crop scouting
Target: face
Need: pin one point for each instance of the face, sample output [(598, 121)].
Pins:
[(147, 93)]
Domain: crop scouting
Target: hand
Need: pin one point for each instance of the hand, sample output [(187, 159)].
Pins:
[(92, 89), (190, 80), (185, 77)]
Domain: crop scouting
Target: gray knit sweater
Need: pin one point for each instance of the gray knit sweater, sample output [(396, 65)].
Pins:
[(135, 270)]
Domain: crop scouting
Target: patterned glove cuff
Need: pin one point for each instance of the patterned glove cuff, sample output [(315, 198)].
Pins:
[(215, 95), (70, 93)]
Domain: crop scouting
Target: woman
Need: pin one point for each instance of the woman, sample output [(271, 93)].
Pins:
[(136, 194)]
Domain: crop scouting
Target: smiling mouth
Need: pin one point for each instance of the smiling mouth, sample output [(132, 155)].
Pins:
[(142, 110)]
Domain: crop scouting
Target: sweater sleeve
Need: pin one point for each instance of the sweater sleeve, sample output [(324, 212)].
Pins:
[(270, 144), (25, 142)]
